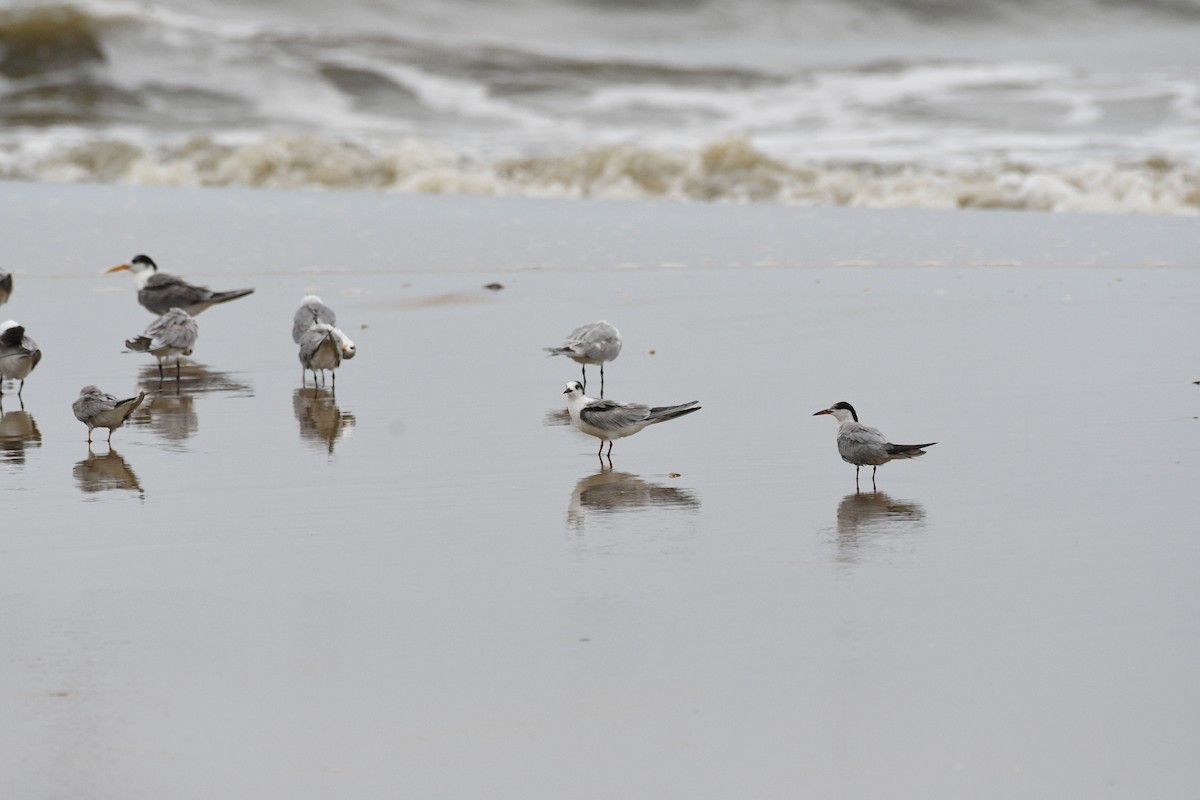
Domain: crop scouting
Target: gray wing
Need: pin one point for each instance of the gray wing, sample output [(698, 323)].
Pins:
[(598, 340), (164, 292), (175, 329), (90, 405), (312, 339), (309, 314), (608, 415), (861, 444)]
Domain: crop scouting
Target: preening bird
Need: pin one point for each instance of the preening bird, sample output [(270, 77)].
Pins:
[(18, 354), (323, 347), (862, 445), (590, 344), (159, 292), (170, 336), (96, 409), (311, 312), (609, 420)]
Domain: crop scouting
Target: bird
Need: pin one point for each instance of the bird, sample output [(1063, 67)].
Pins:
[(322, 347), (609, 420), (18, 354), (5, 286), (590, 344), (172, 335), (159, 293), (861, 445), (96, 409), (311, 311)]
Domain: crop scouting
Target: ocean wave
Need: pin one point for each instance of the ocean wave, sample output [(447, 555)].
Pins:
[(730, 170)]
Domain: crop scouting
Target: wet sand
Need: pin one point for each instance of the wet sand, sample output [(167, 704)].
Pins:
[(426, 584)]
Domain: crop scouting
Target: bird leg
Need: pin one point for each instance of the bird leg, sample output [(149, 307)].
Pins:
[(601, 380), (874, 469), (160, 374), (21, 389), (177, 370), (856, 469)]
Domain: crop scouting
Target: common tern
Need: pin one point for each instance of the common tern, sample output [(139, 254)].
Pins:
[(609, 420), (862, 445), (323, 347), (590, 344), (5, 286), (18, 354), (170, 336), (159, 293), (311, 312), (96, 409)]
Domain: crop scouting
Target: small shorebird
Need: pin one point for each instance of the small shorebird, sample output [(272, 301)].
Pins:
[(172, 335), (590, 344), (311, 312), (609, 420), (322, 347), (159, 293), (96, 409), (18, 354), (5, 286), (863, 445)]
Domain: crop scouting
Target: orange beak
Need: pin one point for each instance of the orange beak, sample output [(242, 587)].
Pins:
[(117, 268), (819, 413)]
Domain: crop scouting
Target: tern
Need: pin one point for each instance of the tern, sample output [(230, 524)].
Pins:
[(590, 344), (159, 293), (609, 420), (311, 312), (18, 354), (96, 409), (322, 347), (861, 445), (5, 286), (172, 335)]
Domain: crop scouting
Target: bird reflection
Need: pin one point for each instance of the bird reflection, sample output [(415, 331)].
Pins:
[(168, 415), (106, 471), (610, 492), (18, 430), (321, 421), (866, 519), (195, 379)]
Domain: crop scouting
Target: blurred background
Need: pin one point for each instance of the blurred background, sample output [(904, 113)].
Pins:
[(1085, 105)]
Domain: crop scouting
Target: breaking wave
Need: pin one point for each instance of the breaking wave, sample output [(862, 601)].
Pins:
[(729, 170)]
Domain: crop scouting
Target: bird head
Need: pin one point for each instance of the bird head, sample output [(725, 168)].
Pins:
[(842, 412)]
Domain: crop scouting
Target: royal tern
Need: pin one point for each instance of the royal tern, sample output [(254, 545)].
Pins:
[(5, 286), (863, 445), (170, 336), (322, 347), (159, 293), (311, 312), (96, 409), (590, 344), (609, 420), (18, 354)]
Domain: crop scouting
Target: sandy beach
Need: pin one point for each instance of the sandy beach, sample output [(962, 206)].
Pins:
[(427, 585)]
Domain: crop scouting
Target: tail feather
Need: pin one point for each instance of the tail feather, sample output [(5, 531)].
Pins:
[(664, 413), (139, 344), (225, 297), (907, 450)]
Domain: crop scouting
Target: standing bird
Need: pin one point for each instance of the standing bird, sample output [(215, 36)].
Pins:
[(172, 335), (96, 409), (18, 354), (590, 344), (159, 293), (5, 286), (322, 347), (861, 444), (609, 420), (311, 312)]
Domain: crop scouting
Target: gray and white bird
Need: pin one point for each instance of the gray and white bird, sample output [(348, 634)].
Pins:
[(5, 286), (862, 445), (609, 420), (590, 344), (96, 409), (323, 347), (170, 336), (311, 312), (18, 354), (159, 293)]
